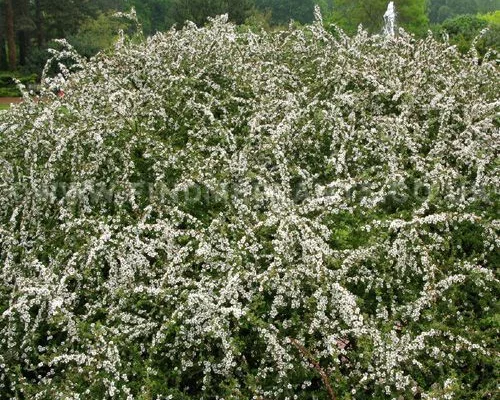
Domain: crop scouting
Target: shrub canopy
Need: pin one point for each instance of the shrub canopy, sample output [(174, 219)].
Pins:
[(219, 214)]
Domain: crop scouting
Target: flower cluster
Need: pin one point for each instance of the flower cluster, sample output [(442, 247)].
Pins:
[(286, 215)]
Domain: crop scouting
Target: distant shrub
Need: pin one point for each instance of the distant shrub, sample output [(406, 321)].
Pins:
[(218, 214), (8, 86), (464, 29), (97, 34), (491, 18)]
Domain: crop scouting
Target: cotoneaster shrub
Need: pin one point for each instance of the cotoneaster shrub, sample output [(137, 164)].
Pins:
[(220, 214)]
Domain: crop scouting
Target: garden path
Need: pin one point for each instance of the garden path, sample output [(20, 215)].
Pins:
[(10, 100)]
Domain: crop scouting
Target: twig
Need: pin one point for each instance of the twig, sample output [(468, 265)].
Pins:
[(324, 377)]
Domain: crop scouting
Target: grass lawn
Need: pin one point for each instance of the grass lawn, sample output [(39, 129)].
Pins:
[(5, 102)]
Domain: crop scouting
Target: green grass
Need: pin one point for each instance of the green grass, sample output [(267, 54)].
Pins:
[(4, 106)]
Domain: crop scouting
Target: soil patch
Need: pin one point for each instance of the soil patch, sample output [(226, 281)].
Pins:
[(10, 100)]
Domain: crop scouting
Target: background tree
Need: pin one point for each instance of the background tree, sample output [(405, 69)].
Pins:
[(299, 10), (439, 10), (492, 17), (10, 34), (464, 29), (349, 14), (199, 10), (27, 27), (485, 6), (40, 31), (3, 48), (96, 34), (24, 28), (413, 16), (153, 14)]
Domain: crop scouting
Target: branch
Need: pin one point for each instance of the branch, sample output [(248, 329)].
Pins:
[(307, 354)]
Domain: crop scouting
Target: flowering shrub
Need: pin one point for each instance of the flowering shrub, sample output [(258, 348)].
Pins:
[(219, 214)]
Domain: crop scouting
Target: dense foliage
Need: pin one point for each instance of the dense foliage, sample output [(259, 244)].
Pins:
[(28, 27), (349, 14), (440, 10), (466, 29), (219, 214), (8, 86)]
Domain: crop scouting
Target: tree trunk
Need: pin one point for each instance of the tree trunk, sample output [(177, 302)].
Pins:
[(11, 36), (40, 29), (3, 51), (23, 40)]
